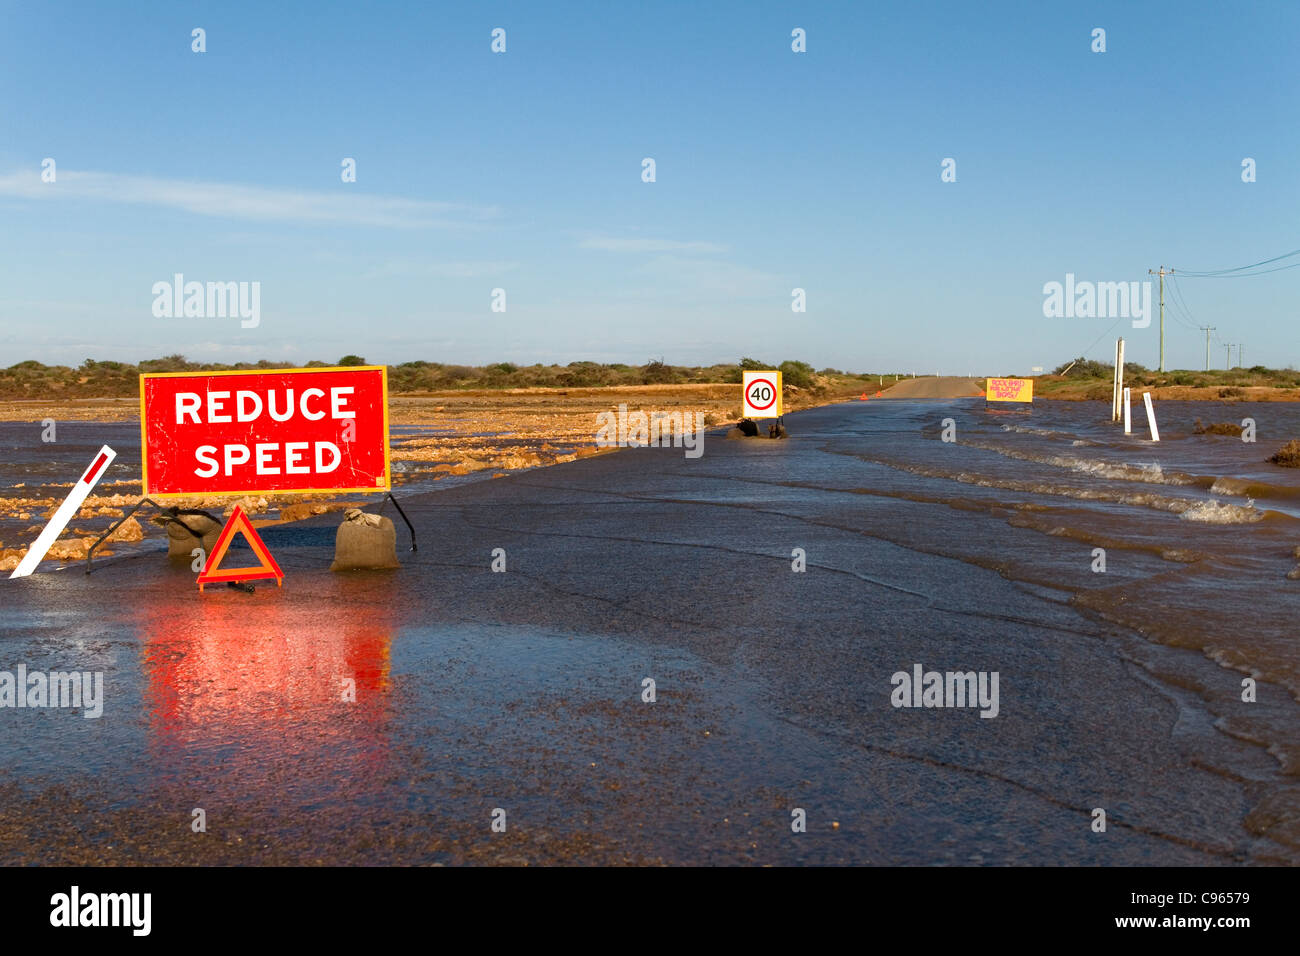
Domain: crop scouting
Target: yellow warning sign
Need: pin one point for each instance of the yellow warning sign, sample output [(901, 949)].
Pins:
[(1010, 390)]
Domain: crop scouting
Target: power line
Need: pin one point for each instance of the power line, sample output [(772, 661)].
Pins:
[(1103, 335), (1210, 273), (1182, 315), (1181, 302), (1238, 275)]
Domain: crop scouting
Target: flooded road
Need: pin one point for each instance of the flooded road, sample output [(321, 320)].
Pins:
[(393, 717)]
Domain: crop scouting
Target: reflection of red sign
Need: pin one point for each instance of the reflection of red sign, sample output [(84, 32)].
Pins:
[(266, 566), (287, 430), (255, 711)]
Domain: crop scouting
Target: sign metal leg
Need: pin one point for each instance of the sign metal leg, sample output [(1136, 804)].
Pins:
[(173, 513), (389, 496)]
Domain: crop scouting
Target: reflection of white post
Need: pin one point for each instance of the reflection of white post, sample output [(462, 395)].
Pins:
[(71, 505), (1151, 416), (1128, 411)]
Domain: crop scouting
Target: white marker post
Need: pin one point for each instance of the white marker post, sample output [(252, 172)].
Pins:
[(1128, 411), (1151, 416), (71, 505), (1117, 381), (1114, 386)]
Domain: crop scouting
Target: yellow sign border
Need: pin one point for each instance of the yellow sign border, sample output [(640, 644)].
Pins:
[(780, 390), (144, 444), (988, 390)]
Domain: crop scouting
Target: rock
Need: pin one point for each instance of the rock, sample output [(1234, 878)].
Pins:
[(307, 509), (518, 460), (1294, 574), (72, 549), (128, 530), (776, 431), (364, 541)]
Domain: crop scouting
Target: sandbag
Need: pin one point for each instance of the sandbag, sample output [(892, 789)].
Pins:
[(364, 541), (746, 428), (189, 531)]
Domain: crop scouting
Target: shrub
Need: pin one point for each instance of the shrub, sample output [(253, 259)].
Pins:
[(657, 373), (1288, 456), (1217, 428), (798, 374)]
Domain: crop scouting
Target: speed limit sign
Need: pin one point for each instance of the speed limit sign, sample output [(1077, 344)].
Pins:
[(762, 394)]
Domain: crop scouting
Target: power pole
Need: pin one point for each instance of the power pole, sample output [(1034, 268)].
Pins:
[(1241, 356), (1207, 329), (1162, 273), (1227, 357)]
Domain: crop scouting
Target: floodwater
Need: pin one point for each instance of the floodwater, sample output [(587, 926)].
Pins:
[(382, 717)]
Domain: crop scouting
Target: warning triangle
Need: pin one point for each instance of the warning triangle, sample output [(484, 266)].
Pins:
[(267, 568)]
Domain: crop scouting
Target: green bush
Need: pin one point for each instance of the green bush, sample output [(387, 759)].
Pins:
[(798, 374), (657, 373)]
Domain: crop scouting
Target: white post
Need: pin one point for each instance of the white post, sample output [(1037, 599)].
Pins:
[(1119, 377), (1151, 416), (71, 505), (1128, 411), (1114, 386)]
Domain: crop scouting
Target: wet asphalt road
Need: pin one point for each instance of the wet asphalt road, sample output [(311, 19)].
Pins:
[(478, 691)]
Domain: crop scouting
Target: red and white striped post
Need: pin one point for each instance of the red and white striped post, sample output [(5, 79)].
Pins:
[(71, 505)]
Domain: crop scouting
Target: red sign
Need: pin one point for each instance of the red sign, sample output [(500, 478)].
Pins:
[(255, 432)]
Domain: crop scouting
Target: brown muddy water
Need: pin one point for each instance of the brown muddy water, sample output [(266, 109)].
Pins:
[(522, 691)]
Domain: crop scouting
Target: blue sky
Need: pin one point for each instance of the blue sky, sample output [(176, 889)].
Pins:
[(522, 171)]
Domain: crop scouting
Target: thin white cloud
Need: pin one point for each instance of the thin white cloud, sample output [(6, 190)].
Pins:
[(440, 270), (711, 277), (610, 244), (256, 203)]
